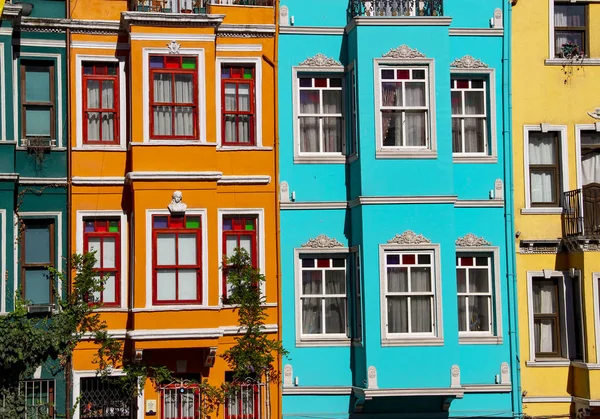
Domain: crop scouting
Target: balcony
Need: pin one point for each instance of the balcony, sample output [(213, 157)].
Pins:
[(581, 212), (191, 6), (396, 8)]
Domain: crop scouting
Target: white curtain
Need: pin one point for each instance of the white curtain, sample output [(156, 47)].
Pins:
[(170, 397), (415, 121), (108, 118), (93, 101), (332, 126), (542, 150), (590, 168), (392, 132), (474, 127), (544, 302), (397, 306), (230, 105), (184, 115), (335, 307), (311, 307), (309, 125), (244, 120), (163, 117), (420, 282)]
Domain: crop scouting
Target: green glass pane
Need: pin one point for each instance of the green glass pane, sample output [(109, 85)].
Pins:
[(37, 122), (188, 63), (37, 84), (250, 225), (192, 222), (247, 73), (113, 226)]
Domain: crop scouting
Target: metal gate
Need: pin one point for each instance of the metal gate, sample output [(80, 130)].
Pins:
[(105, 398), (39, 398)]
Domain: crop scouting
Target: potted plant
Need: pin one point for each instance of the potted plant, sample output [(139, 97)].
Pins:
[(571, 51)]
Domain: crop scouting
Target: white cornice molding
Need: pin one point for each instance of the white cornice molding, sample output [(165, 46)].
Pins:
[(311, 30), (476, 32), (398, 21), (9, 176), (487, 388), (229, 30), (369, 394), (49, 43), (547, 399), (313, 205), (169, 176), (171, 19), (42, 181), (244, 180), (200, 37), (479, 203), (239, 48), (116, 333), (6, 31), (318, 390), (200, 333), (100, 180), (76, 25), (99, 45), (375, 200)]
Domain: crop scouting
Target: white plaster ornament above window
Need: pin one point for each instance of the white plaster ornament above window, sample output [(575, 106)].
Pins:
[(595, 114), (320, 60), (409, 237), (173, 47), (403, 52), (322, 242), (471, 240), (177, 206), (468, 62)]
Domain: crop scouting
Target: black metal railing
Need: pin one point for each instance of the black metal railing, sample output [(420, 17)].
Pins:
[(396, 8), (581, 212), (191, 6)]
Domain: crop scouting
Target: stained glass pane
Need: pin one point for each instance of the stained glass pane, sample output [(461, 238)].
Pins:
[(160, 222), (192, 222), (156, 62), (189, 63)]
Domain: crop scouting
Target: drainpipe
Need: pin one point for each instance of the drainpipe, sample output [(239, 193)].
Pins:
[(69, 366), (509, 213)]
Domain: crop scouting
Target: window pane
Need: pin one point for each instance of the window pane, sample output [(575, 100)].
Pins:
[(542, 148), (231, 244), (415, 129), (456, 103), (165, 247), (479, 311), (332, 101), (420, 311), (162, 87), (109, 253), (391, 128), (311, 316), (37, 286), (415, 94), (545, 336), (474, 135), (94, 244), (543, 186), (108, 94), (165, 284), (397, 314), (309, 135), (309, 102), (474, 103), (461, 280), (37, 84), (569, 15), (37, 122), (187, 284), (184, 88), (93, 94), (332, 135), (37, 243), (544, 297), (335, 282), (163, 120), (230, 93), (570, 37), (244, 97), (420, 279), (478, 280), (246, 244), (462, 314), (312, 283), (335, 315), (109, 294), (186, 249), (397, 279), (391, 94)]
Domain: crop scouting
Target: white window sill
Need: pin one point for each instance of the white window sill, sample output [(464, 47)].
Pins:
[(112, 309), (542, 210), (479, 340), (52, 148), (175, 308), (424, 341), (560, 362), (100, 148), (457, 158), (562, 61), (194, 143), (324, 159), (320, 342), (405, 154), (243, 148)]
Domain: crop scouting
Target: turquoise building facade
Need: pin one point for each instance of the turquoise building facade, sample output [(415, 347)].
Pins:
[(33, 173), (396, 231)]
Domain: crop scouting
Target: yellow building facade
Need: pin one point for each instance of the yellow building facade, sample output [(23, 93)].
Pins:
[(173, 165), (556, 134)]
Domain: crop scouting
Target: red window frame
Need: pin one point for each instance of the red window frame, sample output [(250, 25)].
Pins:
[(170, 66), (176, 225), (100, 73), (179, 390), (102, 227), (237, 76), (238, 224), (255, 388)]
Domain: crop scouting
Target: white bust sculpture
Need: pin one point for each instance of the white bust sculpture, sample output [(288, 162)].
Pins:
[(177, 205)]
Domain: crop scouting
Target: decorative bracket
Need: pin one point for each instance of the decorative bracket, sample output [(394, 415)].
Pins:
[(409, 237), (322, 241), (468, 62), (404, 52), (320, 60), (471, 240)]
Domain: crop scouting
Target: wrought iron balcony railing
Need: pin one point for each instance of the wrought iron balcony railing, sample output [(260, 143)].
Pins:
[(191, 6), (396, 8), (581, 212)]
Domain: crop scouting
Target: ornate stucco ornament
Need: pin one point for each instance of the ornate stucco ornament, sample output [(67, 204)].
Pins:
[(409, 237), (595, 114), (471, 240), (404, 52), (468, 62), (177, 206), (322, 242), (173, 47), (321, 60)]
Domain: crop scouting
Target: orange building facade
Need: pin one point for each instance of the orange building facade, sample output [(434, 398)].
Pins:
[(173, 165)]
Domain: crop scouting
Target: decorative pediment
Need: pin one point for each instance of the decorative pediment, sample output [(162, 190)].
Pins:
[(471, 240), (173, 47), (409, 237), (403, 52), (320, 60), (322, 242), (595, 114), (468, 62)]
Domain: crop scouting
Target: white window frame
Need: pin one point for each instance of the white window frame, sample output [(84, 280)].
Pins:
[(259, 213), (3, 94), (258, 119), (352, 113), (316, 158), (494, 336), (491, 154), (120, 60), (428, 152), (202, 212), (551, 46), (578, 129), (3, 260), (436, 337), (123, 230), (565, 327), (322, 339), (564, 166), (596, 295), (201, 81)]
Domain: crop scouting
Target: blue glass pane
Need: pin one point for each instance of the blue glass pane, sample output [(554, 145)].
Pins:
[(393, 259), (37, 84), (37, 286), (227, 224), (37, 122), (161, 222), (157, 62), (37, 244)]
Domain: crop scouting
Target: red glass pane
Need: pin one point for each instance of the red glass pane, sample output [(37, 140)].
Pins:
[(462, 84), (466, 261), (323, 263), (238, 224), (408, 259), (176, 222), (101, 226), (320, 82), (172, 62), (403, 74)]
